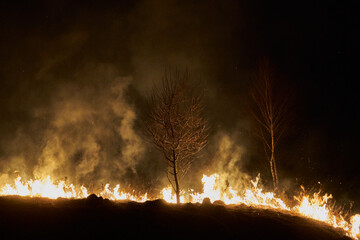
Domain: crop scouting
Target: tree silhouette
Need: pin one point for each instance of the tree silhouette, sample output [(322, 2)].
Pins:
[(269, 107), (175, 126)]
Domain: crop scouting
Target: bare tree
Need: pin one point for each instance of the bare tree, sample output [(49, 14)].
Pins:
[(175, 125), (269, 107)]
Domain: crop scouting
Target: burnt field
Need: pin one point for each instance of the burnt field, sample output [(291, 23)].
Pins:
[(100, 218)]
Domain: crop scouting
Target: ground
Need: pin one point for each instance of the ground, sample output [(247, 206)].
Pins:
[(100, 218)]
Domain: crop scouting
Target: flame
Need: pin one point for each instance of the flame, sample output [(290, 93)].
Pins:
[(43, 188), (48, 189), (169, 197), (315, 206), (250, 197), (115, 194), (210, 191), (355, 226)]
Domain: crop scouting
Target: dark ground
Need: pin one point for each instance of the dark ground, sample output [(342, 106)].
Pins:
[(95, 218)]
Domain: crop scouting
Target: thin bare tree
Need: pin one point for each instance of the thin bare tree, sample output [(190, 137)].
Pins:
[(269, 107), (175, 125)]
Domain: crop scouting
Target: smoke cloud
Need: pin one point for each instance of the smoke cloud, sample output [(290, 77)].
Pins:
[(74, 78), (89, 133)]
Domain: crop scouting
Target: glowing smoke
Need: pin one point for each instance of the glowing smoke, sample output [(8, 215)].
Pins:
[(89, 134)]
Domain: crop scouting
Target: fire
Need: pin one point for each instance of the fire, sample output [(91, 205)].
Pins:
[(168, 196), (48, 189), (355, 226), (210, 190), (256, 197), (115, 194), (315, 206), (43, 188), (251, 197)]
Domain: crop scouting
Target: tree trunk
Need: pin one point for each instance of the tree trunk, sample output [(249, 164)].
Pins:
[(272, 161), (176, 180), (177, 187), (275, 172), (272, 171)]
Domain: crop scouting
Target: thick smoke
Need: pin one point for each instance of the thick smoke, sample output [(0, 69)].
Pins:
[(74, 86), (74, 75), (89, 135)]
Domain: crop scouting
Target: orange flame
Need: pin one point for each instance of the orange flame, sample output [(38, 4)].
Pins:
[(315, 206)]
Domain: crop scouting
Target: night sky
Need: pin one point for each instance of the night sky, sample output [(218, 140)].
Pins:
[(74, 77)]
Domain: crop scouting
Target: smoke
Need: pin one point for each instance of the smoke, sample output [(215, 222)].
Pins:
[(89, 133), (73, 88), (230, 161), (225, 155)]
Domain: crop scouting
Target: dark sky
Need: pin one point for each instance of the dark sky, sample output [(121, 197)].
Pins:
[(74, 77)]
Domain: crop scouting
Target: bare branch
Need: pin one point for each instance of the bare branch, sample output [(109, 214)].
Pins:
[(268, 107), (175, 126)]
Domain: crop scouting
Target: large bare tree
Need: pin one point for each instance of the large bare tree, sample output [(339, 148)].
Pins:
[(269, 106), (175, 125)]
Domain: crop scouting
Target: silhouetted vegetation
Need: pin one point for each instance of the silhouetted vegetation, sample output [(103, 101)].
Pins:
[(175, 125)]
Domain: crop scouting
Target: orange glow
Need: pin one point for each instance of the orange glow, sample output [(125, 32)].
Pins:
[(312, 206)]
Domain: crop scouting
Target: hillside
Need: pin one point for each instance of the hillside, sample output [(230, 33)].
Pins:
[(99, 218)]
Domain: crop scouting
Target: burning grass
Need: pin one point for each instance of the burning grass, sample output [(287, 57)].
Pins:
[(315, 206)]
